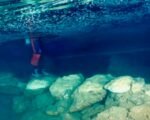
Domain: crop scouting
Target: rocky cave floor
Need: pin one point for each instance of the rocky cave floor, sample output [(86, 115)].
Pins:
[(74, 97)]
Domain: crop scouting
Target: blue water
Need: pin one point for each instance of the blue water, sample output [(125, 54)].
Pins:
[(105, 37)]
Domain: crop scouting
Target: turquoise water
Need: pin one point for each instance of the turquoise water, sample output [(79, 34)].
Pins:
[(94, 60)]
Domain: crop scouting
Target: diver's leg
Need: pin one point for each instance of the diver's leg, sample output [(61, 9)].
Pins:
[(36, 63), (36, 72), (44, 64)]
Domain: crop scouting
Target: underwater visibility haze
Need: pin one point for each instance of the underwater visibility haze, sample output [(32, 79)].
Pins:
[(74, 59), (66, 17)]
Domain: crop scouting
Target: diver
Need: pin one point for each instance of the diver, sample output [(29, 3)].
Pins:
[(37, 56)]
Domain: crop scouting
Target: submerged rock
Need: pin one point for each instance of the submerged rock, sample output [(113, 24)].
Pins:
[(88, 93), (69, 98), (9, 84), (92, 111), (52, 111), (113, 113), (38, 85), (137, 95), (20, 104), (63, 87), (122, 100), (101, 79), (147, 89), (38, 115), (120, 84), (58, 107), (138, 85), (127, 100), (141, 112), (69, 116), (42, 101)]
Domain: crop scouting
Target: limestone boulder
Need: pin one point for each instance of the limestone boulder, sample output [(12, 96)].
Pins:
[(58, 107), (137, 85), (141, 112), (36, 87), (100, 78), (9, 84), (127, 100), (120, 85), (147, 89), (113, 113), (91, 111), (64, 86), (88, 93)]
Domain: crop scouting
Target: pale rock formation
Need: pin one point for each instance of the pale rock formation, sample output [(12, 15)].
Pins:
[(137, 85), (58, 107), (63, 86), (113, 113), (72, 98), (147, 89), (90, 92), (141, 112), (36, 86), (127, 100), (101, 79), (91, 111), (120, 84)]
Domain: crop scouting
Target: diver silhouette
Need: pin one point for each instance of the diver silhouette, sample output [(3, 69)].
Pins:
[(37, 57)]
